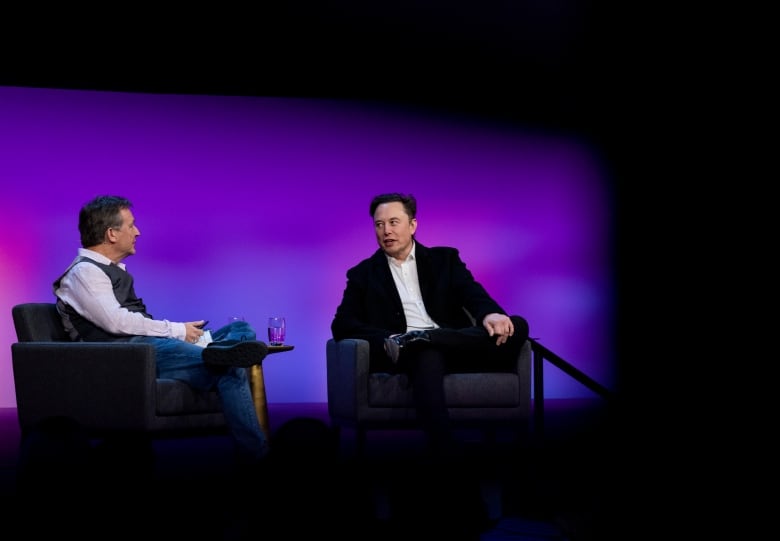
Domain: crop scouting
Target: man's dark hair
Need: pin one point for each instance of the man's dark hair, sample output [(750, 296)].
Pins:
[(98, 215), (408, 201)]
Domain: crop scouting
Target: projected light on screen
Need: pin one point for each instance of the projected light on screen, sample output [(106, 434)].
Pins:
[(257, 206)]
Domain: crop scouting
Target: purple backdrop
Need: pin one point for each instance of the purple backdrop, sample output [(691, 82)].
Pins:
[(257, 206)]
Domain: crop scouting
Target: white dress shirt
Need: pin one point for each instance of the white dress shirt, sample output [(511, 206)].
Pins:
[(408, 285), (88, 290)]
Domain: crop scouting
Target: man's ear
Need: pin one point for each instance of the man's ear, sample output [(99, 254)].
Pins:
[(110, 236)]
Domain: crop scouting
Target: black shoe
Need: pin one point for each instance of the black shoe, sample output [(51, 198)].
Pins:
[(395, 344), (241, 353)]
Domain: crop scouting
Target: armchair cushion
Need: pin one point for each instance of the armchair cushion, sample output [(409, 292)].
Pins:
[(360, 399)]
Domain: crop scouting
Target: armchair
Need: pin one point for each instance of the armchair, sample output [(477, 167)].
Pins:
[(362, 401), (105, 387)]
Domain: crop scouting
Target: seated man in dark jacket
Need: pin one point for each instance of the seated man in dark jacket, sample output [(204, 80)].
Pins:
[(408, 301)]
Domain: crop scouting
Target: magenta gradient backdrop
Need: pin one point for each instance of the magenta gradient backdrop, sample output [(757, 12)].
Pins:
[(256, 206)]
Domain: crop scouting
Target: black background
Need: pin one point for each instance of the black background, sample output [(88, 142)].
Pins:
[(560, 63)]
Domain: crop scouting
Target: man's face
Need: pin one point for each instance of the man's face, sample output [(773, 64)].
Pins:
[(394, 229), (124, 236)]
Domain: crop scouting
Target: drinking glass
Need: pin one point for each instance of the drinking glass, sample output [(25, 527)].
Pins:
[(276, 330)]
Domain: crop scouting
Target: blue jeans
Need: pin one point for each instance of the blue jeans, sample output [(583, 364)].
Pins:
[(180, 360)]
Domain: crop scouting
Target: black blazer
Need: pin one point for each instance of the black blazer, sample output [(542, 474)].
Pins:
[(371, 307)]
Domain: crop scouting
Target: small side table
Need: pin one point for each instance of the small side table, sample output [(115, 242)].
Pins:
[(257, 384)]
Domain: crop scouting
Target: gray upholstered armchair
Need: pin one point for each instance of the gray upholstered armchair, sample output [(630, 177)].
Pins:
[(360, 400), (106, 387)]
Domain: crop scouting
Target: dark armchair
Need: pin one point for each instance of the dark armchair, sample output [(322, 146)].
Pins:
[(105, 387), (360, 400)]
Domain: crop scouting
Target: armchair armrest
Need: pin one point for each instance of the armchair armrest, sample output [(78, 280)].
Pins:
[(347, 375), (523, 366), (101, 385)]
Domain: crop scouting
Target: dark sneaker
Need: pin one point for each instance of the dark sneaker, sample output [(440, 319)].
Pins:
[(241, 353)]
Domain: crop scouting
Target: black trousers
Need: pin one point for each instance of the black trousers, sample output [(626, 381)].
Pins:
[(469, 349)]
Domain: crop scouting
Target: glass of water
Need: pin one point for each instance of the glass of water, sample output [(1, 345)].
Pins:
[(276, 330)]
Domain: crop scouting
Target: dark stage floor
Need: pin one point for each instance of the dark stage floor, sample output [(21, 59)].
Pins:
[(565, 486)]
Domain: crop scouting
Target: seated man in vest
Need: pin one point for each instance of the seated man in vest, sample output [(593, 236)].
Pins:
[(97, 301)]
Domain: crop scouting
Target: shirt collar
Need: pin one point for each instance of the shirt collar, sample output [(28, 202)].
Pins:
[(100, 258), (410, 257)]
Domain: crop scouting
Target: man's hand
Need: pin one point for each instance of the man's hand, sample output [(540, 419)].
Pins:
[(193, 331), (499, 325)]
